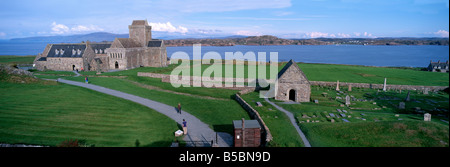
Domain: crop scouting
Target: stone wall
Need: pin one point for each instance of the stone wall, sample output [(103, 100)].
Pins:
[(61, 63), (379, 86), (267, 136)]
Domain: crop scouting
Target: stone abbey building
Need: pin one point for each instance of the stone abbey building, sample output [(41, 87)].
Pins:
[(139, 50)]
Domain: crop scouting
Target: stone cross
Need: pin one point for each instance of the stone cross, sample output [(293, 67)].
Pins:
[(427, 117), (401, 105), (384, 85), (337, 86), (407, 97), (347, 100)]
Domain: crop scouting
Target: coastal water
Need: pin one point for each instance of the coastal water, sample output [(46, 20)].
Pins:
[(403, 55)]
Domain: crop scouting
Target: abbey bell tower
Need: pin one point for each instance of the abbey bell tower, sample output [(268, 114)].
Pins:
[(141, 32)]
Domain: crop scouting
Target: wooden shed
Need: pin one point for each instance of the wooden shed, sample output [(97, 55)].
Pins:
[(247, 133)]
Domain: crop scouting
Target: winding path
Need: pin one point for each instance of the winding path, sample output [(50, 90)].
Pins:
[(199, 133), (292, 118)]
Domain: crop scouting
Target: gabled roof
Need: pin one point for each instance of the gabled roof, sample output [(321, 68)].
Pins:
[(291, 64), (154, 43), (127, 43), (67, 50)]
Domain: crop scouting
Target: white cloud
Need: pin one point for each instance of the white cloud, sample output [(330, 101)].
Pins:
[(81, 28), (59, 28), (2, 34), (336, 35), (248, 33), (63, 29), (442, 33), (168, 27), (316, 35)]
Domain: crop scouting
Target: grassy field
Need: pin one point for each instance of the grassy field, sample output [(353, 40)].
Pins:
[(377, 134), (374, 119), (284, 134), (48, 114), (218, 114), (17, 59), (348, 73)]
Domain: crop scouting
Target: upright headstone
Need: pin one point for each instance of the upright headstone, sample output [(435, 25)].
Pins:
[(427, 117), (349, 88), (401, 105), (337, 86), (425, 91), (347, 100), (407, 97), (384, 85), (400, 91)]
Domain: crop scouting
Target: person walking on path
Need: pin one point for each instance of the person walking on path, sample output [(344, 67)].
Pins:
[(184, 127), (179, 108), (86, 79)]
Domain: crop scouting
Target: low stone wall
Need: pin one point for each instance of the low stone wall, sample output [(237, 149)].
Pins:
[(267, 137), (379, 86)]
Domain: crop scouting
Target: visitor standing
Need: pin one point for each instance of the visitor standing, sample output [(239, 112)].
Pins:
[(179, 108), (184, 127), (86, 79)]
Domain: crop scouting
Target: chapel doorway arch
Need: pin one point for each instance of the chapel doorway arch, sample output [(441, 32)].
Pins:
[(292, 94)]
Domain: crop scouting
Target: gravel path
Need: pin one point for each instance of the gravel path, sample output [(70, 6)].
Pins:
[(199, 133), (292, 118)]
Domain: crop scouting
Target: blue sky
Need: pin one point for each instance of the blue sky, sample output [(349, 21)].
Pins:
[(203, 18)]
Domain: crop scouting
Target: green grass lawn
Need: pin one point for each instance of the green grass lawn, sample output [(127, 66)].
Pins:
[(377, 134), (45, 114), (16, 59), (284, 134), (347, 73), (372, 125), (218, 114)]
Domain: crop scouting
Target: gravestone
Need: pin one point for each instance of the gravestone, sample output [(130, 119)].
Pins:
[(349, 88), (427, 117), (316, 101), (339, 110), (347, 100), (425, 91), (332, 120), (401, 105), (337, 86), (407, 97), (384, 85), (259, 104)]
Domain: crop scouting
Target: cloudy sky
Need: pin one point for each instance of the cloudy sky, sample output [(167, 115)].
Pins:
[(282, 18)]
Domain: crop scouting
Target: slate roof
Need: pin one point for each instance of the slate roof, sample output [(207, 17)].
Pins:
[(66, 50), (154, 43), (439, 64), (100, 46), (248, 124), (42, 59), (288, 65), (128, 43)]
